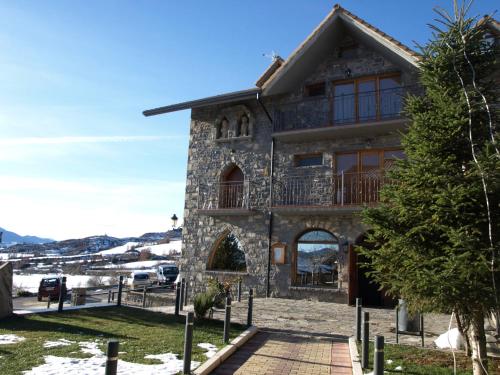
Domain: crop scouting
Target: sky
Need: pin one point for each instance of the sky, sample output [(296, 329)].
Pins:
[(77, 157)]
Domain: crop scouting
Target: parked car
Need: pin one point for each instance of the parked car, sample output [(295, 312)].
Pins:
[(167, 274), (140, 279), (49, 288)]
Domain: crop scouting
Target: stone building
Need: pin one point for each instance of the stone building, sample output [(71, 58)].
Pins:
[(286, 167)]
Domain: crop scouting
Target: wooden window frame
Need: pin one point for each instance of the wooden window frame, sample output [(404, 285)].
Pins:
[(307, 89), (358, 153), (356, 81)]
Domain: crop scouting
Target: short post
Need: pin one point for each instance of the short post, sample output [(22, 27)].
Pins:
[(109, 296), (112, 357), (227, 319), (177, 297), (112, 296), (183, 285), (144, 291), (250, 307), (239, 290), (188, 343), (48, 302), (422, 328), (186, 294), (62, 294), (378, 356), (120, 288), (397, 324), (358, 319), (366, 338)]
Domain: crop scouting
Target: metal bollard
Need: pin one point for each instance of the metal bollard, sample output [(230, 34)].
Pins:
[(358, 319), (120, 288), (186, 294), (378, 356), (366, 337), (250, 307), (62, 294), (109, 296), (227, 319), (183, 285), (239, 290), (112, 296), (112, 357), (48, 302), (145, 290), (188, 343), (177, 297)]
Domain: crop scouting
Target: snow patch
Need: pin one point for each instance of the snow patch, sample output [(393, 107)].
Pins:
[(91, 347), (10, 339), (211, 349), (450, 339), (57, 343), (399, 368)]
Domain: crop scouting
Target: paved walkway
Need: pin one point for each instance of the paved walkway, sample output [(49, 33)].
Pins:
[(275, 352)]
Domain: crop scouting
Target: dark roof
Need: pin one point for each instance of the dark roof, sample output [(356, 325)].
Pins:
[(211, 100)]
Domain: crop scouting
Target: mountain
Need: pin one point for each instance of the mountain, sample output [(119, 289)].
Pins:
[(11, 238)]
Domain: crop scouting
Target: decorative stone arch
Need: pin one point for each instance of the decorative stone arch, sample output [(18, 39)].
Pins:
[(215, 247), (221, 131), (241, 122)]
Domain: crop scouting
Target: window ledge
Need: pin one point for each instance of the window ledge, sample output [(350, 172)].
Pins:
[(226, 140), (225, 272)]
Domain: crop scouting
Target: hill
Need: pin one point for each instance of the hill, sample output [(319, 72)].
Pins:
[(10, 238)]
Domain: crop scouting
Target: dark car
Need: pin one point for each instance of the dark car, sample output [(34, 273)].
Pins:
[(50, 288)]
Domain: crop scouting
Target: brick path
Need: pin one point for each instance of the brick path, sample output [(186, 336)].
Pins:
[(280, 352)]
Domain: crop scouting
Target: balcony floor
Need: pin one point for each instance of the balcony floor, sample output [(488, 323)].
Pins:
[(316, 210), (228, 212)]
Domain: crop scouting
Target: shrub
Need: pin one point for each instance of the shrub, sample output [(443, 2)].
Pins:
[(23, 293), (203, 302)]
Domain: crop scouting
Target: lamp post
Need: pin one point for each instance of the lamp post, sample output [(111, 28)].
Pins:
[(174, 219)]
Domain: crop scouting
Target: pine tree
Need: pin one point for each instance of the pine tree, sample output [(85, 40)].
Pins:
[(228, 255), (436, 233)]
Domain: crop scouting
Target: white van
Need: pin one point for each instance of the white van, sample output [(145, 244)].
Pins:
[(167, 274)]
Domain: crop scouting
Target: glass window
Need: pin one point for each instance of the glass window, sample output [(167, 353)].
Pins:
[(317, 259), (344, 103), (317, 89), (308, 160), (391, 97), (367, 100), (347, 163)]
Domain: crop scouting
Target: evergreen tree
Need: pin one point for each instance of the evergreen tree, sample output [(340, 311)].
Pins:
[(436, 232), (229, 255)]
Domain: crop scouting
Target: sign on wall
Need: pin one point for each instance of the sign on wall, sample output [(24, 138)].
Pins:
[(278, 253)]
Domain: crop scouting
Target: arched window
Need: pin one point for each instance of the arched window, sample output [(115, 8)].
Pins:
[(317, 259), (228, 255), (231, 188)]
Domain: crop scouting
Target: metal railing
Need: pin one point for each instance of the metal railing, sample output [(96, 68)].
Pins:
[(343, 189), (224, 195), (341, 109)]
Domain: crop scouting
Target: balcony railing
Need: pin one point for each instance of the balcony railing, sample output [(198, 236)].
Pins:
[(340, 110), (224, 195), (344, 189)]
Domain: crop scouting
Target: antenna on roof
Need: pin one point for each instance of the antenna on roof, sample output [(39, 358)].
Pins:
[(273, 56)]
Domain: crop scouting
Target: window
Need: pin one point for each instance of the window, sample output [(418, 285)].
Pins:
[(308, 160), (366, 161), (231, 188), (317, 89), (317, 259), (228, 255)]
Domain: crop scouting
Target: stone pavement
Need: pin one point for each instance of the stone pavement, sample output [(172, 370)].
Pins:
[(275, 352)]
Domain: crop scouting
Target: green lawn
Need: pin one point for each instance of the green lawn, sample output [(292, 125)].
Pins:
[(140, 332), (418, 361)]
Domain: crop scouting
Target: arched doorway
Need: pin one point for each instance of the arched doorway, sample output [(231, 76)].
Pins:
[(316, 259), (367, 289), (227, 254), (231, 188)]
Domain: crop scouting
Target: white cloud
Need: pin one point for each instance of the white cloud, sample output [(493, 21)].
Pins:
[(83, 139)]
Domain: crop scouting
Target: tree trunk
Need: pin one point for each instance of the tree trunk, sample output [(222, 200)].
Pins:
[(464, 334), (478, 343)]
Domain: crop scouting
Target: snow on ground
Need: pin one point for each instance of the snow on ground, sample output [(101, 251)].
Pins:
[(138, 265), (31, 282), (53, 365), (119, 249), (57, 343), (10, 339), (210, 348)]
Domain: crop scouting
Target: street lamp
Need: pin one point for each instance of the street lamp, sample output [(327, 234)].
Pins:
[(174, 219)]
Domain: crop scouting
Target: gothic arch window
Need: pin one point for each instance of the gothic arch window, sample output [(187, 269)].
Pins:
[(316, 259), (231, 192), (228, 254)]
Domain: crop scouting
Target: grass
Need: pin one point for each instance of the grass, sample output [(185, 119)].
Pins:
[(419, 361), (140, 332)]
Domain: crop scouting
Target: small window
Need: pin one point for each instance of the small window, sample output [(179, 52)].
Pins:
[(308, 160), (317, 89)]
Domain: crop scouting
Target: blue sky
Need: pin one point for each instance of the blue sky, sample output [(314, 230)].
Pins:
[(77, 157)]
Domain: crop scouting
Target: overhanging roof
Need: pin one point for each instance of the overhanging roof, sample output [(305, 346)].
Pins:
[(211, 100), (319, 43)]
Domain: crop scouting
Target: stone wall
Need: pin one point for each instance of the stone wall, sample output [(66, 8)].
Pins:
[(209, 156), (5, 289)]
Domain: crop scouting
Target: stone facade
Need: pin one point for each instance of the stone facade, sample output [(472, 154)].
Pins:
[(5, 289), (211, 153)]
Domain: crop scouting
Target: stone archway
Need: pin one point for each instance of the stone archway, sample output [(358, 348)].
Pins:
[(231, 187), (227, 254)]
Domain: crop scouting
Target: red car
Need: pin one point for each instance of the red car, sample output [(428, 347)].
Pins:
[(50, 287)]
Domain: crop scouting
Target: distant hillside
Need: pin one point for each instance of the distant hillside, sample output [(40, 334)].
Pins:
[(11, 238)]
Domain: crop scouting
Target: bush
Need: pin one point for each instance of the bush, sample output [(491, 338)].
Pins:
[(203, 302), (23, 293)]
